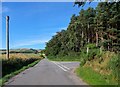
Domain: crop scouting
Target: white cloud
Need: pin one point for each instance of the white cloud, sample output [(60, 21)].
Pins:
[(64, 28), (5, 9), (28, 43), (34, 42), (59, 29), (54, 33)]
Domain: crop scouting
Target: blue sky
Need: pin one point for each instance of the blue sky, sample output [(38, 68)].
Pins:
[(32, 24)]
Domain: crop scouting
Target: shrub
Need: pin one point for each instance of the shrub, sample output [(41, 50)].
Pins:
[(94, 52), (82, 63), (83, 58), (14, 64), (42, 55), (115, 66), (91, 46)]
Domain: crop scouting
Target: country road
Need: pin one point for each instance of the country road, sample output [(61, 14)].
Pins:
[(48, 72)]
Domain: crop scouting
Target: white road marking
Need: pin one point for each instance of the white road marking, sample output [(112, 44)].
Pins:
[(59, 66), (64, 66), (66, 62)]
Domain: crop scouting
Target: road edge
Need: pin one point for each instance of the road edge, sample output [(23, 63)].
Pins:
[(6, 78)]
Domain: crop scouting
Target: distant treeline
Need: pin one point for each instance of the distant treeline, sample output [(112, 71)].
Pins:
[(21, 51)]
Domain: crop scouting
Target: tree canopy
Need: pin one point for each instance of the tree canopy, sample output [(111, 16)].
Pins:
[(99, 26)]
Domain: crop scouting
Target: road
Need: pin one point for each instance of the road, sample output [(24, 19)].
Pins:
[(48, 73)]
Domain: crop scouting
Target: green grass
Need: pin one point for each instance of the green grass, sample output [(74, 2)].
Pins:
[(7, 77), (64, 58), (93, 78)]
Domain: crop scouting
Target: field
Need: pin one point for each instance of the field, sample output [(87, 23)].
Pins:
[(22, 50), (21, 56), (17, 63)]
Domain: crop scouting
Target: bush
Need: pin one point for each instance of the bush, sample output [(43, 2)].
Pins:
[(82, 63), (115, 66), (42, 55), (14, 64), (64, 58), (93, 51), (83, 58), (91, 46)]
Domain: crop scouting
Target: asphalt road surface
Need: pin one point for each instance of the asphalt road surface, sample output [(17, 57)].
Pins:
[(48, 73)]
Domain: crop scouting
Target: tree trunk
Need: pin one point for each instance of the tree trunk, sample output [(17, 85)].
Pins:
[(88, 47), (88, 39), (101, 48), (87, 50), (96, 39), (82, 38), (108, 46)]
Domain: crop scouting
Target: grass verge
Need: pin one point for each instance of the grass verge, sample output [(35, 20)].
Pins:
[(95, 79), (64, 58), (7, 77)]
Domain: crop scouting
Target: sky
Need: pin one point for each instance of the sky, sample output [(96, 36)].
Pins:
[(32, 24)]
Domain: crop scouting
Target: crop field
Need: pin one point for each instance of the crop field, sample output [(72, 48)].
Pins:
[(17, 61), (21, 56)]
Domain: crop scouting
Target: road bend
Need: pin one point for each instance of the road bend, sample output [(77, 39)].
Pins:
[(48, 72)]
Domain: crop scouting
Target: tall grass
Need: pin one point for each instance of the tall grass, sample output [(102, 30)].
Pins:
[(8, 76), (114, 65), (105, 64), (17, 61), (21, 56)]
